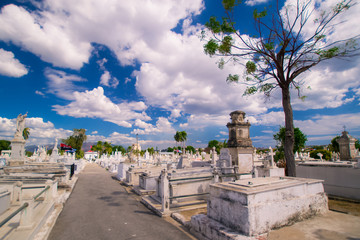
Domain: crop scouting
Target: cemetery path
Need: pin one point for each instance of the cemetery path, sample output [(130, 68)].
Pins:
[(100, 208)]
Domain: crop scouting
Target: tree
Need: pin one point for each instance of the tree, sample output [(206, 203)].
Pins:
[(357, 144), (190, 149), (334, 146), (119, 148), (4, 145), (300, 139), (76, 141), (326, 154), (280, 53), (218, 145), (151, 150), (26, 133), (181, 137)]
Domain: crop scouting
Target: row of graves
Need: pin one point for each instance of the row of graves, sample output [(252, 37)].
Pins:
[(245, 195), (32, 189), (341, 175)]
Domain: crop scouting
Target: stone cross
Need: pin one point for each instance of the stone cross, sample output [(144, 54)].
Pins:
[(271, 154), (320, 155), (214, 156)]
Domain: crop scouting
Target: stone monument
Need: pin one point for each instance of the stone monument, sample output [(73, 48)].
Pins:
[(346, 146), (18, 143), (55, 152), (240, 144)]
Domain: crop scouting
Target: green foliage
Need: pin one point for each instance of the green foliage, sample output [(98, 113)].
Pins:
[(318, 147), (341, 6), (232, 78), (26, 133), (230, 4), (225, 47), (269, 46), (211, 47), (261, 14), (151, 150), (28, 153), (213, 25), (169, 149), (119, 148), (329, 53), (49, 152), (266, 88), (279, 155), (104, 148), (250, 67), (300, 139), (4, 145), (181, 137), (79, 154), (250, 90), (326, 154), (76, 140), (218, 145), (190, 149), (357, 144), (334, 145)]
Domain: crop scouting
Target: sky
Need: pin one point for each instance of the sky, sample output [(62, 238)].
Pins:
[(119, 68)]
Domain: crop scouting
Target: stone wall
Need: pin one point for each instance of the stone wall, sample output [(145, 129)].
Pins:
[(339, 180)]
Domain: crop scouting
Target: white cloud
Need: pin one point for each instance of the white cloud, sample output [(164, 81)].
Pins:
[(94, 132), (7, 128), (39, 93), (40, 132), (40, 33), (94, 104), (204, 120), (224, 133), (329, 124), (62, 84), (255, 2), (109, 81), (10, 66), (162, 126)]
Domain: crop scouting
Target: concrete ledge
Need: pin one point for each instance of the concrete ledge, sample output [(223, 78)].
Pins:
[(205, 228), (141, 192), (154, 206)]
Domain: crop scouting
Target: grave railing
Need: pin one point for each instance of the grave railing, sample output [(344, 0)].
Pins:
[(27, 208)]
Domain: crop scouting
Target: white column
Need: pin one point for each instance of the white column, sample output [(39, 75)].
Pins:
[(165, 201)]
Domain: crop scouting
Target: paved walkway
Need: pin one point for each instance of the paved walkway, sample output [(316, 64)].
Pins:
[(100, 208)]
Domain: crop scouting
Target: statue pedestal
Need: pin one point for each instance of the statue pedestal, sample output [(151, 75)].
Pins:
[(17, 152)]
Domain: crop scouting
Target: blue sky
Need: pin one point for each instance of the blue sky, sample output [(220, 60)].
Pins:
[(121, 68)]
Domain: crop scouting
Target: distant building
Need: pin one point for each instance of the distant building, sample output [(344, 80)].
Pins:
[(90, 155)]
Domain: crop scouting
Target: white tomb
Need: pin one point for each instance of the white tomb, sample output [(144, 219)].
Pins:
[(252, 207)]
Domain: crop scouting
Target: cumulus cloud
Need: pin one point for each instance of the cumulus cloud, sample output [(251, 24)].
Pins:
[(174, 72), (330, 124), (94, 104), (39, 93), (10, 66), (109, 81), (255, 2), (44, 36), (62, 84), (41, 132), (162, 126)]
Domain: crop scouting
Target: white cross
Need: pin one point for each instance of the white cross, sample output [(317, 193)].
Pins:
[(272, 154)]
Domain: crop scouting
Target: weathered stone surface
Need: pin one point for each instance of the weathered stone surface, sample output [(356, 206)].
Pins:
[(255, 206)]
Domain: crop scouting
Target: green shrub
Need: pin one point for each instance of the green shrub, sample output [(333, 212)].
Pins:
[(326, 154)]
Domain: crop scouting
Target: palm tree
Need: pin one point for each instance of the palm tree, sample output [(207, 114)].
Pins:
[(26, 133), (181, 137)]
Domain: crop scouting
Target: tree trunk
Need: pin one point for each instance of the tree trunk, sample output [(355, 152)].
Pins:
[(290, 169)]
